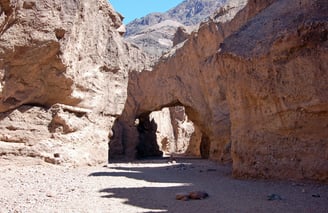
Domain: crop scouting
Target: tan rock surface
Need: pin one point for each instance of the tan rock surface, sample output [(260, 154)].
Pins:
[(256, 84), (67, 52), (279, 108), (174, 131)]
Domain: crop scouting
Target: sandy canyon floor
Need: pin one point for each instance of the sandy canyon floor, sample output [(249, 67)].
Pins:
[(29, 185)]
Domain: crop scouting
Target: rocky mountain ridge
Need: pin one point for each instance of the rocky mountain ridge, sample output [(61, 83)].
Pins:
[(155, 32)]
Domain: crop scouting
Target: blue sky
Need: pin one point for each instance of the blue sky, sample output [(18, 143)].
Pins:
[(132, 9)]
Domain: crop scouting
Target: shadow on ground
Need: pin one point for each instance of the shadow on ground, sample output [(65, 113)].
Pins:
[(152, 187), (155, 184)]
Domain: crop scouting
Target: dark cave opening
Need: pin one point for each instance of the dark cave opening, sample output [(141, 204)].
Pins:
[(205, 145), (147, 146)]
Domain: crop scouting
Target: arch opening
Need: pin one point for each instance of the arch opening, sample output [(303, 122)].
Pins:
[(169, 132), (147, 145)]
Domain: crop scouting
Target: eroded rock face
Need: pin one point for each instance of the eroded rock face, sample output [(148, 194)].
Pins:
[(59, 135), (67, 52), (279, 108), (256, 84), (180, 35)]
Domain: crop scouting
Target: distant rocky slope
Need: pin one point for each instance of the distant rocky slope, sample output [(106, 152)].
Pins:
[(155, 32), (64, 71), (256, 83)]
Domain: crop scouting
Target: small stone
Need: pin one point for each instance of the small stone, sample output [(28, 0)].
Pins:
[(182, 196), (185, 199), (274, 197), (49, 194), (28, 4), (316, 195), (198, 195), (297, 184)]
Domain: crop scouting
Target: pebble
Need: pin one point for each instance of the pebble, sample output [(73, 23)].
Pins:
[(274, 197), (49, 194), (316, 195), (194, 195), (182, 196), (198, 195)]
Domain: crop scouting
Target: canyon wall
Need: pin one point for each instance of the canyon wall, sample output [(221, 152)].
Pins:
[(255, 86), (64, 70), (278, 92)]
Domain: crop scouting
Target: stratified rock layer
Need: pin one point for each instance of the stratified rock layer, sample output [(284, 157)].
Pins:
[(66, 52), (256, 85)]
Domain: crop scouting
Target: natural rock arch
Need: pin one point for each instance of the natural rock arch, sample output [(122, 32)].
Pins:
[(186, 76), (137, 135), (265, 93), (174, 84)]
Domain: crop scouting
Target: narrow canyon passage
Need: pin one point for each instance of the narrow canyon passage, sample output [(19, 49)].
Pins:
[(224, 97), (259, 100)]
